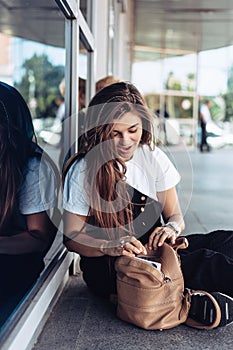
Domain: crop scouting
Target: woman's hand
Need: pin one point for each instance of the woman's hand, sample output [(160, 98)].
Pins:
[(160, 235), (127, 245)]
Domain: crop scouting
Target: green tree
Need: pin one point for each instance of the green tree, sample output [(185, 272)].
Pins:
[(230, 80), (228, 97), (172, 83), (41, 82), (191, 82)]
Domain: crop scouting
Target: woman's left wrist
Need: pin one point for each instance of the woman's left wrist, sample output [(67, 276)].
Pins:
[(174, 226)]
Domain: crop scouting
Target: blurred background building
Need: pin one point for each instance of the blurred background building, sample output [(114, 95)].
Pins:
[(176, 52)]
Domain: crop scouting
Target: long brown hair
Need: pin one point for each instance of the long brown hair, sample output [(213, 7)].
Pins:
[(110, 202), (16, 133)]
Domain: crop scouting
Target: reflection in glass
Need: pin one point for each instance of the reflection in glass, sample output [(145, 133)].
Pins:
[(33, 59)]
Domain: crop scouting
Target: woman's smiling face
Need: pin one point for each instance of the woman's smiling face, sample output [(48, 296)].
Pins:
[(127, 133)]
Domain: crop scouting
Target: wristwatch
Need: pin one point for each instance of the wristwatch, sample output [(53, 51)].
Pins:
[(173, 225)]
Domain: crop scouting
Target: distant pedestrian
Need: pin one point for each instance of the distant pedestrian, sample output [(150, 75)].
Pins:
[(105, 81), (163, 115), (205, 118)]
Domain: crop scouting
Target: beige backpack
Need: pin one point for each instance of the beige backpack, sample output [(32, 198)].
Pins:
[(154, 298)]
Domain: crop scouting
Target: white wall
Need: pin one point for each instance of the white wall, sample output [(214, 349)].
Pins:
[(123, 29), (125, 35), (101, 39)]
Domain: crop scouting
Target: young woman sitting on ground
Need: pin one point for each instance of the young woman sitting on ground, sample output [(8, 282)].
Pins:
[(117, 168)]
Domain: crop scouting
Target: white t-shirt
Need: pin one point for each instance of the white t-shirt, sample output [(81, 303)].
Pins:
[(148, 171), (39, 188), (206, 113)]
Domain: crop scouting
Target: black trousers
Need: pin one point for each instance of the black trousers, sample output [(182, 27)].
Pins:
[(207, 264), (19, 272), (204, 137)]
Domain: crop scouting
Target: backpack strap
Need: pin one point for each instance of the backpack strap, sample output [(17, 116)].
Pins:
[(180, 243), (195, 324)]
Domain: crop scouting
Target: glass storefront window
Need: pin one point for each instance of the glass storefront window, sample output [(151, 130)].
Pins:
[(36, 70), (169, 86), (179, 73)]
